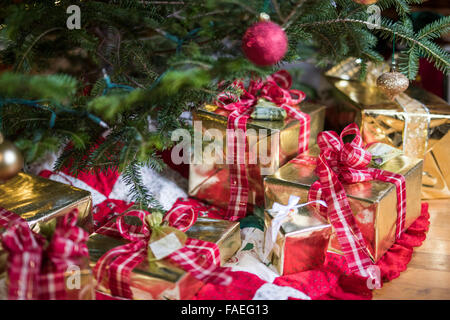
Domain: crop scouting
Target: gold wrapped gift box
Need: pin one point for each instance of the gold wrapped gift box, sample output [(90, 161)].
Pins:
[(40, 201), (374, 203), (165, 280), (209, 179), (301, 243), (414, 122)]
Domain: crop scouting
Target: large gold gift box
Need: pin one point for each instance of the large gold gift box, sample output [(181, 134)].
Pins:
[(414, 122), (301, 243), (374, 203), (165, 280), (40, 201), (209, 179)]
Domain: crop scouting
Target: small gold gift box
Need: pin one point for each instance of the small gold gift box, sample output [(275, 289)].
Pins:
[(414, 122), (165, 280), (209, 178), (301, 243), (374, 203)]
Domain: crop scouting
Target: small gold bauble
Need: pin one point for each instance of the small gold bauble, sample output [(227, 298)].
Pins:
[(11, 160), (392, 83)]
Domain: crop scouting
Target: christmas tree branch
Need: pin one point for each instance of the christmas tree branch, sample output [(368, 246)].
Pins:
[(441, 61)]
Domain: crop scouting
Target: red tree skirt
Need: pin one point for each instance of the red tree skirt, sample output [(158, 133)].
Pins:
[(332, 281)]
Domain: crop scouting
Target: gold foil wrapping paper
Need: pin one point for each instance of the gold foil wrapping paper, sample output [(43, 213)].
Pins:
[(436, 178), (374, 203), (209, 179), (414, 122), (40, 201), (301, 243), (165, 280), (80, 282)]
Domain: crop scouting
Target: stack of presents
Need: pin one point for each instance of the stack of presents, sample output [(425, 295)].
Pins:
[(259, 144)]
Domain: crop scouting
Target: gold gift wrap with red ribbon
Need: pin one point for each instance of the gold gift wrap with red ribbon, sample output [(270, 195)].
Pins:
[(300, 241), (40, 201), (373, 203), (209, 180), (163, 279), (415, 121)]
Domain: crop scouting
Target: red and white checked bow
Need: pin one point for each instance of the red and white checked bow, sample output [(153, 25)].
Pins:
[(32, 272), (347, 162), (199, 258), (66, 248), (276, 88)]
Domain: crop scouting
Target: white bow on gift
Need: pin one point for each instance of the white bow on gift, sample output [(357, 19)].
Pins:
[(280, 214)]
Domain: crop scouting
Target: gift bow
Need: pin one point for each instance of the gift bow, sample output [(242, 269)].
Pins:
[(277, 89), (339, 162), (30, 274), (280, 214), (348, 160), (199, 258)]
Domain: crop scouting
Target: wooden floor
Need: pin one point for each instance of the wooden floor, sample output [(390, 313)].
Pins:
[(428, 273)]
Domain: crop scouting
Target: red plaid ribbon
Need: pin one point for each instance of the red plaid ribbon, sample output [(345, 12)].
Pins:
[(66, 248), (347, 162), (33, 273), (276, 88), (199, 258)]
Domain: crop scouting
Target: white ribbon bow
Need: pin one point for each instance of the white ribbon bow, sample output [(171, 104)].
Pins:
[(280, 214)]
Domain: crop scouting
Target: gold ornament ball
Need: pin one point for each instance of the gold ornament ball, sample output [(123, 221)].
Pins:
[(392, 83), (11, 160)]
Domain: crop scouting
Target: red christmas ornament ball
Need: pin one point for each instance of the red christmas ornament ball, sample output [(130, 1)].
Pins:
[(265, 43)]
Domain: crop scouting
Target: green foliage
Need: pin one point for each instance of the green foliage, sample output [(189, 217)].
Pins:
[(174, 53)]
